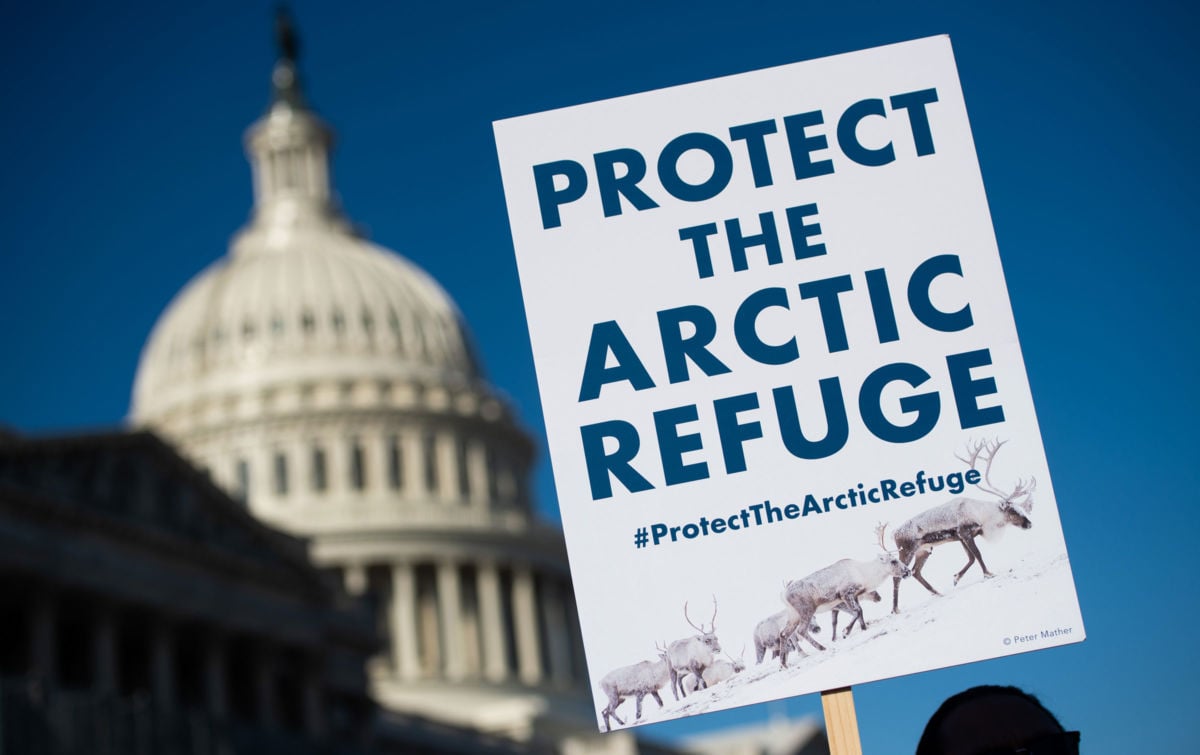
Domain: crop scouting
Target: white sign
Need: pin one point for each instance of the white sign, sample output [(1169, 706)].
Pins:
[(768, 316)]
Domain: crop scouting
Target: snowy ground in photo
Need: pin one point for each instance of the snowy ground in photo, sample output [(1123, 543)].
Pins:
[(927, 627)]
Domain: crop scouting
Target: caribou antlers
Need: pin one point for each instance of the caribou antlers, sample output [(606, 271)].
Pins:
[(692, 655), (701, 629), (880, 529), (987, 450)]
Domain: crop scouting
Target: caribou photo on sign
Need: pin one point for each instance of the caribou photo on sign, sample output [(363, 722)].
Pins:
[(693, 655), (837, 586), (962, 520), (768, 314)]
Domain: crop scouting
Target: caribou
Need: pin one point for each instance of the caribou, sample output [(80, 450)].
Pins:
[(872, 595), (766, 635), (722, 670), (692, 655), (963, 519), (637, 680), (839, 586)]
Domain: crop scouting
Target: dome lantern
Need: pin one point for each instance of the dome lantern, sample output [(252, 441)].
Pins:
[(289, 148)]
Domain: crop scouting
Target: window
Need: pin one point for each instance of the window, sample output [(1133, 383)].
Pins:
[(281, 474), (242, 480), (395, 464), (493, 474), (358, 472), (319, 478)]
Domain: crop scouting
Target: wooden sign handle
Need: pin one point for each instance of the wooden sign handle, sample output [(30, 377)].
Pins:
[(841, 724)]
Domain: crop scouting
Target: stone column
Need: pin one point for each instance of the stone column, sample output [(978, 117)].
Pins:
[(216, 684), (262, 480), (403, 621), (162, 663), (264, 687), (477, 472), (447, 467), (104, 650), (43, 635), (338, 455), (355, 579), (491, 623), (450, 619), (312, 699), (529, 657)]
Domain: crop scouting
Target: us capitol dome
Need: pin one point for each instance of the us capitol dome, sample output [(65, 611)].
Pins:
[(331, 385)]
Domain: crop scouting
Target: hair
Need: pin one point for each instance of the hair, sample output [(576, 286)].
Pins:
[(931, 744)]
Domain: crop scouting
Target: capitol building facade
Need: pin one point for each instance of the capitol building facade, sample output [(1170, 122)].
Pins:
[(331, 386)]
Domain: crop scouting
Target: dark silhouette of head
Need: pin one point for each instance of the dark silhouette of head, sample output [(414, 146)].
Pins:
[(993, 719)]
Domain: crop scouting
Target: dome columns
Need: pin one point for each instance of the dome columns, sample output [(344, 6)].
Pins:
[(491, 619), (403, 621), (529, 654), (450, 604), (381, 451), (468, 618), (477, 473), (446, 481)]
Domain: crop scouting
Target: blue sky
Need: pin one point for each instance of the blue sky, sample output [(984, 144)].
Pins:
[(123, 176)]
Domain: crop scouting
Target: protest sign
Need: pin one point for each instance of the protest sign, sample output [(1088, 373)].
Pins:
[(783, 391)]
